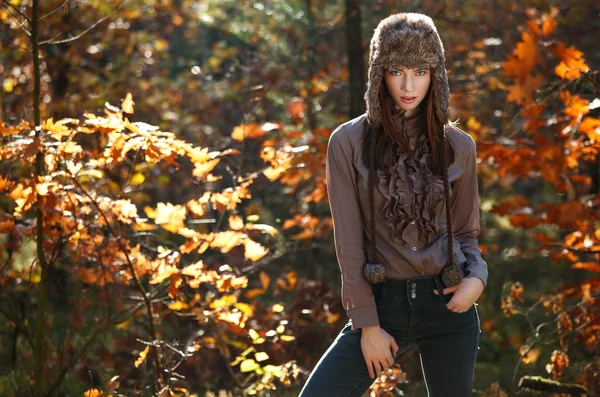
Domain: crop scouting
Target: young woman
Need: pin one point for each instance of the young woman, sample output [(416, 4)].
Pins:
[(403, 192)]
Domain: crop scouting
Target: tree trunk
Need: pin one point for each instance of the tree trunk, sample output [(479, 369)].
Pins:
[(355, 58)]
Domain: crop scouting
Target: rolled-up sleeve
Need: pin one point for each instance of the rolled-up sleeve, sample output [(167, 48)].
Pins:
[(465, 211), (357, 296)]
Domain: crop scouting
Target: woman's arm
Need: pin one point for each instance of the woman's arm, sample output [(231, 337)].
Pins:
[(357, 296), (465, 211)]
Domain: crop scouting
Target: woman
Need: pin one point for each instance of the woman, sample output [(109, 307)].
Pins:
[(405, 240)]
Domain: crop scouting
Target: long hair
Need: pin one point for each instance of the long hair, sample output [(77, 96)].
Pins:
[(389, 134)]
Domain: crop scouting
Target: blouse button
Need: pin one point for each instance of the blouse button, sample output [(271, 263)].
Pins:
[(412, 222), (414, 248), (412, 147)]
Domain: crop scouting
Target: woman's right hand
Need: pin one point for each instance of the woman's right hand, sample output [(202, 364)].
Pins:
[(379, 349)]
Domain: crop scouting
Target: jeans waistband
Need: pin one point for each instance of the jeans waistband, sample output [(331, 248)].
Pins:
[(420, 284)]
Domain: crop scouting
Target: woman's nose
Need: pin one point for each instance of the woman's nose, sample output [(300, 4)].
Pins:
[(408, 84)]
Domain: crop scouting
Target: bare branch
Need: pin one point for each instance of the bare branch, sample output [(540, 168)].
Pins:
[(54, 11), (16, 9), (54, 41)]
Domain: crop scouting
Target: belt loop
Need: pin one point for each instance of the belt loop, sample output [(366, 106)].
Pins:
[(440, 287)]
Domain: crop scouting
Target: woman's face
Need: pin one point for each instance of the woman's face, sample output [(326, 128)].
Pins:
[(407, 87)]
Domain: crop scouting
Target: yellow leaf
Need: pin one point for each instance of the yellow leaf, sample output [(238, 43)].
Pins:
[(127, 104), (245, 308), (253, 334), (253, 250), (261, 356), (170, 217), (125, 324), (194, 270), (163, 272), (142, 357), (177, 306), (224, 301), (249, 365), (201, 169), (236, 222), (277, 308), (138, 179), (42, 188), (287, 338)]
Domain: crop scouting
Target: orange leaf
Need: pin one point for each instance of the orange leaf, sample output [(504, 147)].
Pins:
[(12, 130), (548, 26), (297, 108), (244, 131), (127, 104), (523, 93), (593, 267), (265, 280), (93, 393), (572, 61), (526, 51), (574, 104), (254, 292), (591, 127), (142, 357), (534, 28)]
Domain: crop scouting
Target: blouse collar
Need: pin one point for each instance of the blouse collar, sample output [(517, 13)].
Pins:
[(414, 125)]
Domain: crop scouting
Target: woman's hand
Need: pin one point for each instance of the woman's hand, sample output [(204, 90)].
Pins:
[(379, 349), (465, 294)]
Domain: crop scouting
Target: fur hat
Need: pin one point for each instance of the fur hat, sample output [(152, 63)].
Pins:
[(407, 40)]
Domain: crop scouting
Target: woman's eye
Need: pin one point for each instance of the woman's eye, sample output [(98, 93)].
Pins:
[(395, 73), (421, 73)]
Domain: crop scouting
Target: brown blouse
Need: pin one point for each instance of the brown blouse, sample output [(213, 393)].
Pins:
[(410, 213)]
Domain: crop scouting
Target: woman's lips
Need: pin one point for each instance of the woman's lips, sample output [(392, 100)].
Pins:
[(408, 99)]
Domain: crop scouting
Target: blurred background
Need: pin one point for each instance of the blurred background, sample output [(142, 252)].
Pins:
[(164, 222)]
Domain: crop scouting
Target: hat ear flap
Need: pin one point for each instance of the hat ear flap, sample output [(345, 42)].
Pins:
[(374, 116), (441, 95)]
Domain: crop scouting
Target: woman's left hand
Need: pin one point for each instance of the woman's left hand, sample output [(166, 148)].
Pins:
[(465, 294)]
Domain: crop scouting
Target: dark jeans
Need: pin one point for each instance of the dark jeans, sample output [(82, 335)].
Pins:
[(409, 311)]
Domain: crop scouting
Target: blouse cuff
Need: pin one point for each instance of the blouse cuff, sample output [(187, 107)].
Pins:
[(363, 317), (479, 269)]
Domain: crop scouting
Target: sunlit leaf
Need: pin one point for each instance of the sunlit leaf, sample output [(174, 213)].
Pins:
[(142, 357), (249, 365)]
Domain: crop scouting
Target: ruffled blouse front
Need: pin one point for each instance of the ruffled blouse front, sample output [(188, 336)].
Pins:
[(413, 194)]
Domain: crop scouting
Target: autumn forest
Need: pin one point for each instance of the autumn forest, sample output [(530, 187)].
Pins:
[(164, 219)]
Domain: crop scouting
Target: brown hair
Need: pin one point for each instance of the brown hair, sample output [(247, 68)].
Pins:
[(389, 134)]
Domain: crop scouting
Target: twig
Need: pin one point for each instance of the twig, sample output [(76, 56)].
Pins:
[(54, 41)]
